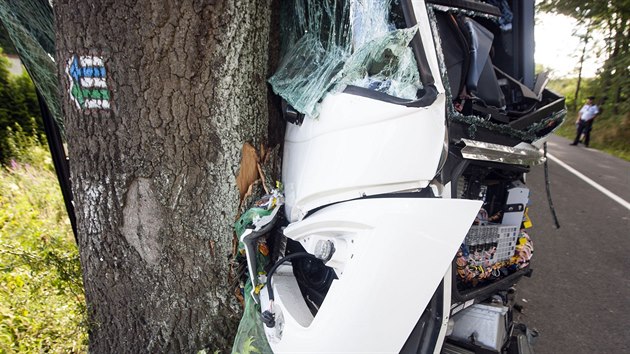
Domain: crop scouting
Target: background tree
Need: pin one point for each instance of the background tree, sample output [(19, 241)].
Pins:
[(584, 39), (154, 170), (612, 17)]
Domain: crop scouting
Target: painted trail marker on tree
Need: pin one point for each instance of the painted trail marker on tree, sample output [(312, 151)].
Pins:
[(88, 82)]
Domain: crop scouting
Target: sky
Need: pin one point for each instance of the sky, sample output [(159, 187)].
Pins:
[(558, 49)]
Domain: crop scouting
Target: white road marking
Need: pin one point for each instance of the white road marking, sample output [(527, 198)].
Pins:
[(597, 186)]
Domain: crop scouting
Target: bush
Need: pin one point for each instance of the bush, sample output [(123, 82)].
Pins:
[(26, 148), (42, 305), (611, 130), (18, 105), (611, 133)]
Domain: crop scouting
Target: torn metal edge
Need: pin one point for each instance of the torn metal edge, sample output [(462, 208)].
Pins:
[(478, 150)]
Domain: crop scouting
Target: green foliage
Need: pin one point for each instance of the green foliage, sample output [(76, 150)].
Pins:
[(588, 9), (610, 134), (250, 337), (26, 148), (611, 131), (612, 17), (42, 306), (18, 106), (248, 347), (566, 87)]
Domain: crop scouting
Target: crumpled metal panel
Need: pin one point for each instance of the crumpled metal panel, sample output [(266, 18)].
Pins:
[(479, 150)]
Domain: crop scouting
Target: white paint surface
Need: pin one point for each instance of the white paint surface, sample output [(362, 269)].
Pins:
[(98, 82), (97, 104), (402, 248), (90, 61), (360, 146)]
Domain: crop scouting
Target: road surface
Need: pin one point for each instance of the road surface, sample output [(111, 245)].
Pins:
[(579, 295)]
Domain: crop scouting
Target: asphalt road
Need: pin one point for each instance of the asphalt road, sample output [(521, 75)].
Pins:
[(579, 295)]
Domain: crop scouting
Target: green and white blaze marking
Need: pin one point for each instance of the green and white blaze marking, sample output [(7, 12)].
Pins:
[(88, 82)]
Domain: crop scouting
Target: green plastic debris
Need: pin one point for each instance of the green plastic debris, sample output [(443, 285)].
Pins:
[(250, 337), (261, 208), (248, 218)]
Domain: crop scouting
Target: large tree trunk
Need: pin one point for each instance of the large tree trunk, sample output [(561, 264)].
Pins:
[(153, 169)]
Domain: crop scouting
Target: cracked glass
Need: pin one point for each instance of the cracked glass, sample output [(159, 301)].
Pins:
[(331, 44)]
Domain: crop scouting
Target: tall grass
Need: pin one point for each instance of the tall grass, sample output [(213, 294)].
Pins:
[(42, 305), (610, 133)]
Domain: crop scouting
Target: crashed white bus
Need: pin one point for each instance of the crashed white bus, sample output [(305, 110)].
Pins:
[(410, 128)]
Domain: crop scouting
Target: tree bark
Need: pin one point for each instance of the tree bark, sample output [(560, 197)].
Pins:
[(153, 171)]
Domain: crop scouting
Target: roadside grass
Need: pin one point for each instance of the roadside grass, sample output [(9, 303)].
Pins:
[(42, 304), (610, 134)]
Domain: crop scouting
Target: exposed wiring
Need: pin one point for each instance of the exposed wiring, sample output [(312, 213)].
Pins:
[(268, 317), (279, 263), (548, 188), (475, 265)]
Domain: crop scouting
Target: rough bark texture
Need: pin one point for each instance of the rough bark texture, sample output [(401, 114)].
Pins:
[(154, 176)]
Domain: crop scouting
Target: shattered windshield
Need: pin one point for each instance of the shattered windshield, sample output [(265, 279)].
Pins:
[(331, 44)]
